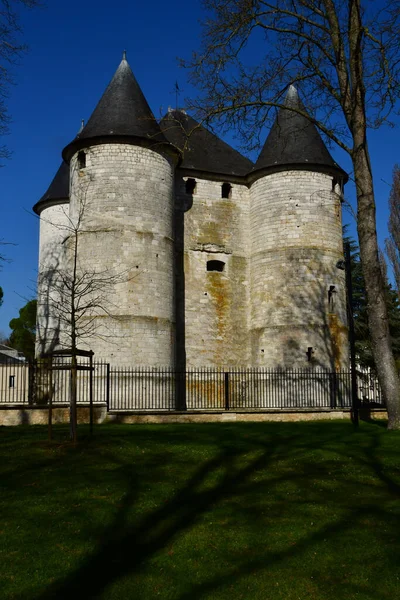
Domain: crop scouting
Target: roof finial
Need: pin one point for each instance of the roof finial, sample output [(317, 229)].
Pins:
[(124, 55), (291, 94)]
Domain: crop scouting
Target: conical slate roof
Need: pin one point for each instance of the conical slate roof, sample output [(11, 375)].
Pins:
[(57, 190), (202, 150), (122, 111), (294, 140)]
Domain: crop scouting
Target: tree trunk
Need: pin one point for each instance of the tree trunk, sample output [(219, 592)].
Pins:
[(73, 412), (374, 284), (50, 420)]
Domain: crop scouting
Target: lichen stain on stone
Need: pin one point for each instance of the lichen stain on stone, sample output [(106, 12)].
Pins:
[(218, 230), (338, 333), (210, 232), (186, 263), (217, 287), (143, 233), (206, 392)]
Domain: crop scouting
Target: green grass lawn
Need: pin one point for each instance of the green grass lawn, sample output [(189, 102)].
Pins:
[(287, 511)]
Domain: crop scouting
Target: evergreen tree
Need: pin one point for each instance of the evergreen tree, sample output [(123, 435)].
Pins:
[(363, 340), (23, 328)]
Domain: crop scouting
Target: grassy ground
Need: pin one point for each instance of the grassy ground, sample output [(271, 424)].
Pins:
[(217, 511)]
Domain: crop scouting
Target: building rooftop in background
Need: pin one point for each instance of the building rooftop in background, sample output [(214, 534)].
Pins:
[(8, 354)]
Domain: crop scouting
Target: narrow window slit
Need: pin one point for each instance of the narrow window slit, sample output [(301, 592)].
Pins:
[(331, 298), (81, 159), (190, 185), (226, 190)]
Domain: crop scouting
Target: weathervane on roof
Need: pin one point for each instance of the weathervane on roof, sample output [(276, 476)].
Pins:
[(124, 55), (177, 91)]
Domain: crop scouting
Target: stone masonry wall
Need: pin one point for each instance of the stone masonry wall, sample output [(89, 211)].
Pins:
[(54, 222), (125, 196), (280, 292), (296, 237), (216, 303)]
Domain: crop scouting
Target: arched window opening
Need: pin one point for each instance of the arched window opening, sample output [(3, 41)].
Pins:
[(81, 159), (191, 186), (226, 190), (215, 265), (337, 186)]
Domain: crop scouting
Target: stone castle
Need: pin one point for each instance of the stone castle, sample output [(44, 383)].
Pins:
[(221, 262)]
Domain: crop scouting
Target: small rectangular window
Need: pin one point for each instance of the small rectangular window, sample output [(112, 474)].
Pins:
[(226, 190), (11, 381), (215, 265), (81, 159)]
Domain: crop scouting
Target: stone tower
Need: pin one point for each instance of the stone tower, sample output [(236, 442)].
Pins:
[(121, 171), (298, 300), (207, 259)]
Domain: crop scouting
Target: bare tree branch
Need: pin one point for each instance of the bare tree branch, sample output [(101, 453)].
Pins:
[(11, 49), (392, 243), (344, 56)]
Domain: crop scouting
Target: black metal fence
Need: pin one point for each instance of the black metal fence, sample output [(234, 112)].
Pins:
[(32, 383), (222, 389), (15, 381), (165, 389)]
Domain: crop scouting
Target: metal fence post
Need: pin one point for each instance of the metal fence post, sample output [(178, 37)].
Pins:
[(108, 387), (333, 389), (91, 393), (30, 381), (226, 391), (349, 286)]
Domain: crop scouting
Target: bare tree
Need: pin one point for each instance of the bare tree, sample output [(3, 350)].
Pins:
[(72, 296), (392, 243), (345, 58), (11, 49)]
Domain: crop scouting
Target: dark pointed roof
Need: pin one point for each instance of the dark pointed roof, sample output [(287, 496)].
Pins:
[(202, 150), (57, 191), (122, 111), (294, 140)]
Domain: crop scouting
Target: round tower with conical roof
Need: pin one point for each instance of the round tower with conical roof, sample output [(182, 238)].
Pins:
[(298, 301), (121, 196)]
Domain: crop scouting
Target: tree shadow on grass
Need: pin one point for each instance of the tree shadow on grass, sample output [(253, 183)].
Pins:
[(367, 458), (125, 548), (233, 476), (365, 414)]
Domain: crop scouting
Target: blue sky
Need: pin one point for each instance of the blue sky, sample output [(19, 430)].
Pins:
[(74, 49)]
